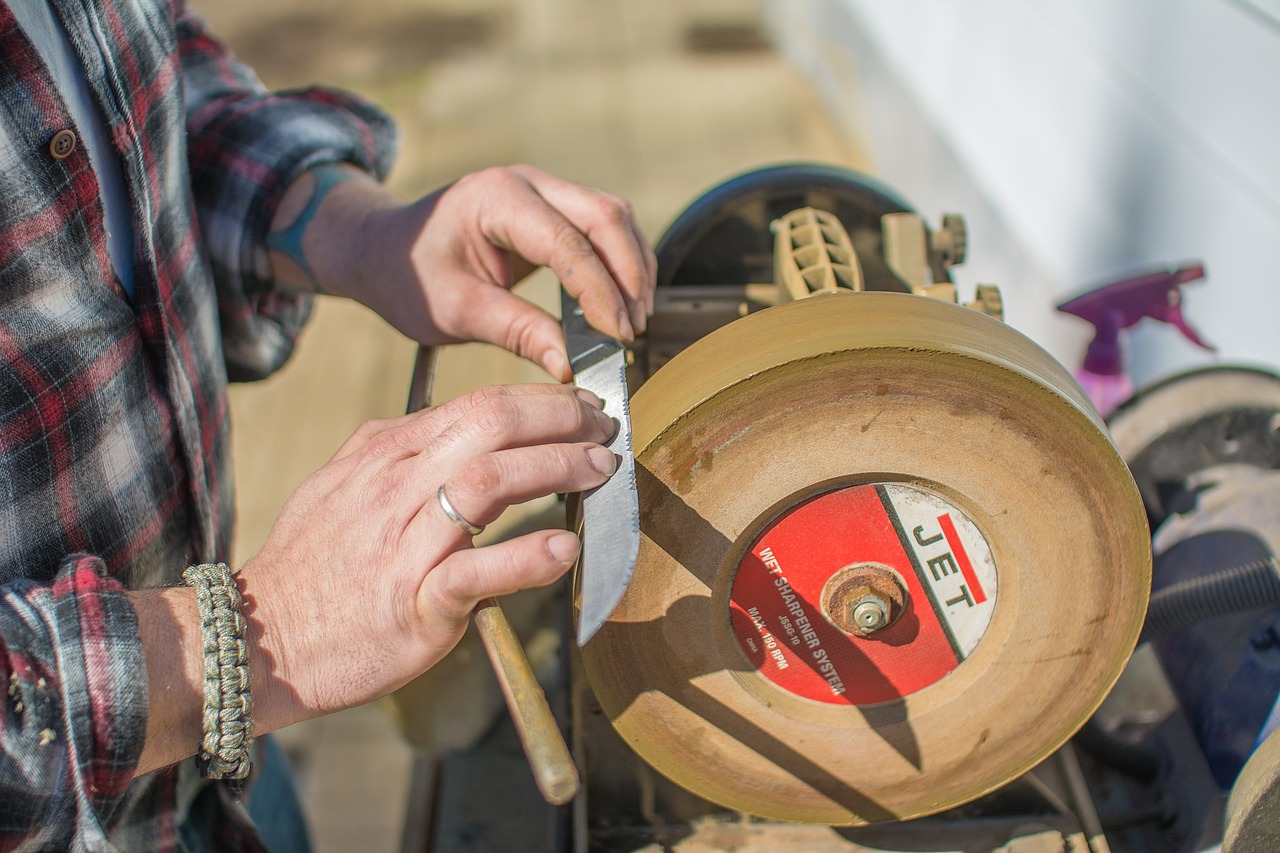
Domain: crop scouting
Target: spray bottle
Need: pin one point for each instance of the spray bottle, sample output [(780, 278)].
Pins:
[(1117, 306)]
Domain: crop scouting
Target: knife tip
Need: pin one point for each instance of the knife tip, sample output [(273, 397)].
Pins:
[(585, 633)]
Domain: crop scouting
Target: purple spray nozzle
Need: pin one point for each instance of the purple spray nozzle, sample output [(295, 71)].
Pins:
[(1121, 304)]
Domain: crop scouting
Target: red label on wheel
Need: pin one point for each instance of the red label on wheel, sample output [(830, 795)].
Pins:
[(943, 562)]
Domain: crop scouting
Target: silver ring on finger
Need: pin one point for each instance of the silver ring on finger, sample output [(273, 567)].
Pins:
[(453, 515)]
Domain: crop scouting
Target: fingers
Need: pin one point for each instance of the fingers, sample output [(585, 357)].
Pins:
[(460, 407), (488, 484), (590, 238), (446, 415), (525, 222), (502, 422), (471, 241), (510, 444), (451, 591), (609, 223), (524, 329)]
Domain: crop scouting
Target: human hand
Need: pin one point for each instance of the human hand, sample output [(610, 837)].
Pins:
[(441, 269), (364, 583)]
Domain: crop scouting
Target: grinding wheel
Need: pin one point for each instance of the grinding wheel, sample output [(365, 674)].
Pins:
[(792, 455)]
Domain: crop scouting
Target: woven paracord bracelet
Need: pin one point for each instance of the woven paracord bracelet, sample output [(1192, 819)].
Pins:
[(227, 721)]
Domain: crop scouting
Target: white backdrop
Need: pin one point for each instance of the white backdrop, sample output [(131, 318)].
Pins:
[(1081, 139)]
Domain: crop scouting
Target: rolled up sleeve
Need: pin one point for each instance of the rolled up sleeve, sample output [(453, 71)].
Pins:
[(74, 715), (245, 146)]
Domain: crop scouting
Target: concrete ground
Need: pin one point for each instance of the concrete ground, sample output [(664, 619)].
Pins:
[(656, 101)]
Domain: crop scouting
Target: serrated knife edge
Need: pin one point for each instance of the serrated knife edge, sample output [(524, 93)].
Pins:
[(610, 512)]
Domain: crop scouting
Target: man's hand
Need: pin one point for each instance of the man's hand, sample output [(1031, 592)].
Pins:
[(440, 270), (364, 582)]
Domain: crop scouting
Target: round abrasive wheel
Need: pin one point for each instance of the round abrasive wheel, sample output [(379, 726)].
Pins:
[(879, 460)]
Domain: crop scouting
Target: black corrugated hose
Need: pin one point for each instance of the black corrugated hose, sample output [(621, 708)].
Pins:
[(1221, 593)]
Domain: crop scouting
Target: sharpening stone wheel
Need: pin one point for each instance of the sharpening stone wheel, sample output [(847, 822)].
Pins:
[(815, 442)]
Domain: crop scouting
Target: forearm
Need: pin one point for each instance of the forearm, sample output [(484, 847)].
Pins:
[(329, 233), (169, 626)]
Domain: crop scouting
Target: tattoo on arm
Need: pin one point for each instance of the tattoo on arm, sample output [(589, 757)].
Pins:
[(288, 240)]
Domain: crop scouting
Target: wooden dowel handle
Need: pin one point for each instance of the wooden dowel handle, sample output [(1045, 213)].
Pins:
[(553, 768)]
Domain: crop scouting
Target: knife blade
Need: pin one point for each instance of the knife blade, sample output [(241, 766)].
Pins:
[(611, 512)]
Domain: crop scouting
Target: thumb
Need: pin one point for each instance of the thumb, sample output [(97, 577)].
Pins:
[(521, 327), (453, 588)]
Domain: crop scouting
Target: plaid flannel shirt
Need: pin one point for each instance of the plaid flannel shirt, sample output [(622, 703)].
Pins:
[(114, 469)]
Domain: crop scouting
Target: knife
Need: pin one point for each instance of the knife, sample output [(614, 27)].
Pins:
[(611, 512)]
